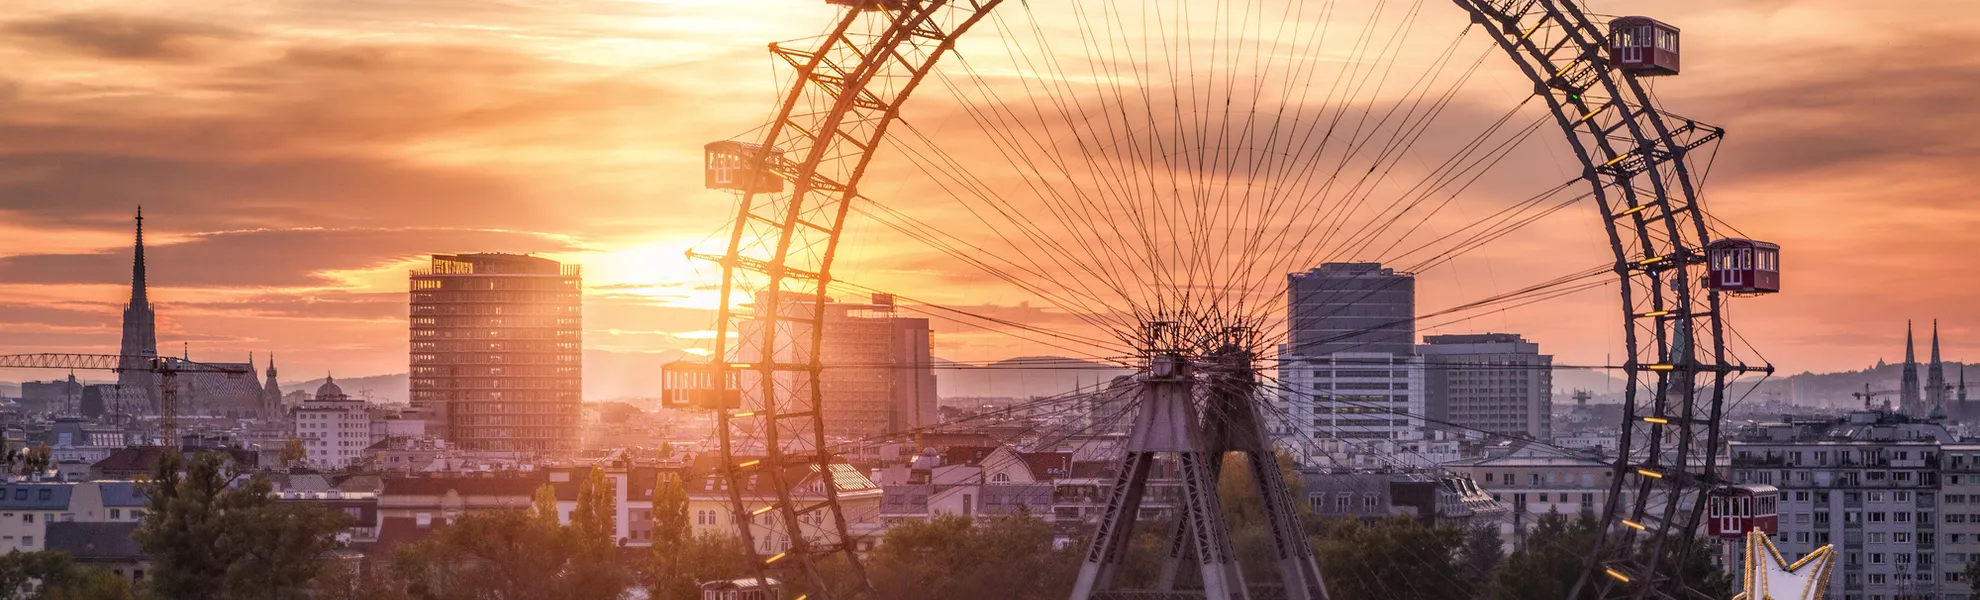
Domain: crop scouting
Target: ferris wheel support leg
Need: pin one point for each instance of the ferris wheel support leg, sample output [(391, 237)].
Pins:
[(1180, 551), (1165, 422), (1297, 566), (1222, 579), (1109, 545)]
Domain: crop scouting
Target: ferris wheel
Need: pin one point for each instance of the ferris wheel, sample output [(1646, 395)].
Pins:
[(1151, 171)]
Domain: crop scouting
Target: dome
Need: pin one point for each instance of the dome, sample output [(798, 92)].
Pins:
[(329, 389)]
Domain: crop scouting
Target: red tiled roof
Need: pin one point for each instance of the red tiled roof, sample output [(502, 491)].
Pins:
[(966, 455), (1047, 466)]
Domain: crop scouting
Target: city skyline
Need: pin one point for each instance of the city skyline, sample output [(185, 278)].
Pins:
[(293, 234)]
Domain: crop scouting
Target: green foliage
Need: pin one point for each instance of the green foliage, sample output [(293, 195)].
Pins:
[(50, 575), (593, 535), (949, 558), (595, 520), (209, 540), (1556, 551), (673, 568), (359, 581), (37, 459), (1393, 558), (544, 505), (1973, 575), (1481, 554), (498, 555), (293, 452), (493, 555)]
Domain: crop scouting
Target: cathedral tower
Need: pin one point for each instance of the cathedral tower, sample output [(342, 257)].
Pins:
[(140, 330)]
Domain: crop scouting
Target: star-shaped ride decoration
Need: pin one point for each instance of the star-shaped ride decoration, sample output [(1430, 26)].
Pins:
[(1770, 577)]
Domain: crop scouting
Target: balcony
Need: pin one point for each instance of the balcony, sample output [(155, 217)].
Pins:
[(1759, 461)]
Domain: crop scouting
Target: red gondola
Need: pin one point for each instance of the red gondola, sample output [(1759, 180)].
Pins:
[(1736, 509), (685, 384), (1643, 46), (1742, 266), (740, 166)]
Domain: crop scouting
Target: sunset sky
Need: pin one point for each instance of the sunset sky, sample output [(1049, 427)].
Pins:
[(295, 157)]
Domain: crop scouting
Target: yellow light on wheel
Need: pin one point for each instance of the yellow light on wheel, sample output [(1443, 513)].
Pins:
[(1649, 473), (1617, 574), (1633, 525)]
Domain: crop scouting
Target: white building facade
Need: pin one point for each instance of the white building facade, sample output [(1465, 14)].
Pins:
[(334, 428), (1360, 409)]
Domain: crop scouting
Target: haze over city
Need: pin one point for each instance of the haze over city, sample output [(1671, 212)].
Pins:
[(296, 159), (989, 300)]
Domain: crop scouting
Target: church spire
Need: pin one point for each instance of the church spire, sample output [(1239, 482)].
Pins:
[(138, 296), (1935, 374), (140, 335), (1910, 401)]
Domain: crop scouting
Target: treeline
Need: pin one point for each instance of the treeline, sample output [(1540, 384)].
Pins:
[(208, 538)]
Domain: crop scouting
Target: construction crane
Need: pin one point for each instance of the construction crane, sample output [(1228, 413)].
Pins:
[(167, 368), (1869, 397)]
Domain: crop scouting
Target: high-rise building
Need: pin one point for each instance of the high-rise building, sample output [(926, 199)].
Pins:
[(1496, 382), (140, 339), (1351, 383), (497, 351), (878, 369), (1877, 486), (1351, 307)]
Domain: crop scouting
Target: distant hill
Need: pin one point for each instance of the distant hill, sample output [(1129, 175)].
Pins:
[(607, 375), (1833, 390), (1020, 377), (383, 388), (1604, 383)]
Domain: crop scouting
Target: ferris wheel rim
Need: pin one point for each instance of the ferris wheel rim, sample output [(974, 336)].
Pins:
[(1567, 13)]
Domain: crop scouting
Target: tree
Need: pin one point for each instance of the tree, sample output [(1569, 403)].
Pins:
[(595, 519), (593, 534), (363, 581), (1973, 574), (1481, 554), (37, 459), (544, 505), (293, 452), (1394, 557), (52, 575), (669, 574), (208, 539), (492, 555), (1553, 556), (950, 558), (1556, 554)]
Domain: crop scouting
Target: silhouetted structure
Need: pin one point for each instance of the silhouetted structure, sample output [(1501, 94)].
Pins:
[(1910, 400), (140, 331)]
